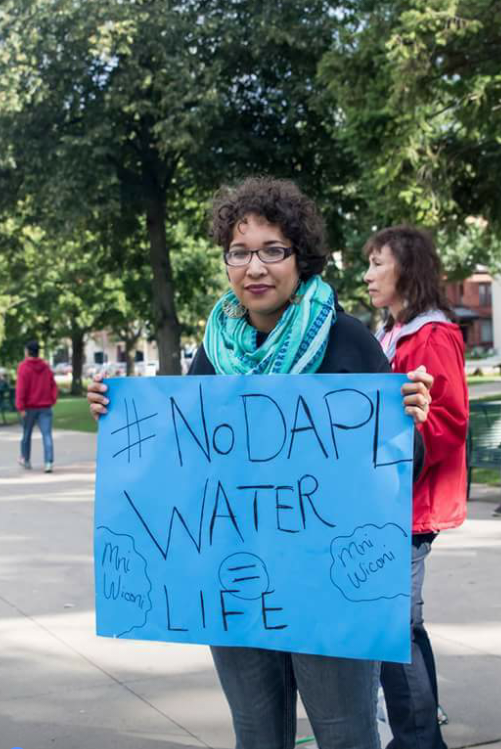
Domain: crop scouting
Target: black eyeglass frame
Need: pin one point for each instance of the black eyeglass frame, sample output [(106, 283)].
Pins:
[(288, 251)]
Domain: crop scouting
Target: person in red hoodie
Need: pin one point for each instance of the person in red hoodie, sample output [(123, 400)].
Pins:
[(404, 276), (36, 393)]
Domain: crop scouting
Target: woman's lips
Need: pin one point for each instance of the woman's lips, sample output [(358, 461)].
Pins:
[(258, 288)]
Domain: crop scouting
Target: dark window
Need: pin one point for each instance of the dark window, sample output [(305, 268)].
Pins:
[(484, 294), (485, 331)]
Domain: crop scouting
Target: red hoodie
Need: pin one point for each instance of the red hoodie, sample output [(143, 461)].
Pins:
[(35, 387)]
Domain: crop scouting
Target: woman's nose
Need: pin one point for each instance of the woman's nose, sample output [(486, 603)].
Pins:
[(367, 275), (256, 266)]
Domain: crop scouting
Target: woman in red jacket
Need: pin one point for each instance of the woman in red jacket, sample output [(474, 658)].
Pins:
[(404, 276)]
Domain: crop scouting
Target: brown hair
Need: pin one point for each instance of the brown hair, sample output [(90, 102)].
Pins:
[(419, 268), (282, 203)]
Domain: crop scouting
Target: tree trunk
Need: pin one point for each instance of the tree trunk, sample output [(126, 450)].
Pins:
[(77, 345), (167, 328)]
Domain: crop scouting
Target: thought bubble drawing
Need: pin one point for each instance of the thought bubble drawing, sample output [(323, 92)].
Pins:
[(122, 583), (245, 575), (372, 563)]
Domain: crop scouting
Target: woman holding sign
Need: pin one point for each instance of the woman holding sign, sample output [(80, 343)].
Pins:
[(280, 317), (404, 276)]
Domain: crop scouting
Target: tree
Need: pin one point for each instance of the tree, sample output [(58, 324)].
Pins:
[(5, 305), (8, 300), (54, 286), (112, 112), (54, 293), (417, 90)]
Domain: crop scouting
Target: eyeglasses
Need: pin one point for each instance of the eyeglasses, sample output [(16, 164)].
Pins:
[(239, 257)]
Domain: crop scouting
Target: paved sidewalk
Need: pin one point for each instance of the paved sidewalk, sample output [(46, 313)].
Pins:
[(62, 687), (484, 389)]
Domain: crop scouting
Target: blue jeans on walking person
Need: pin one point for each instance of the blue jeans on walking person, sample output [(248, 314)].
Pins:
[(42, 417), (339, 695), (410, 689)]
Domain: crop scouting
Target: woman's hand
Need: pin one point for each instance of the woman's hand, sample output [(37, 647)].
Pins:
[(97, 401), (417, 397)]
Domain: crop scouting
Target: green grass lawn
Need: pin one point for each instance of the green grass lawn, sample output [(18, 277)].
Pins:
[(10, 418), (69, 413), (73, 413), (482, 379), (486, 476)]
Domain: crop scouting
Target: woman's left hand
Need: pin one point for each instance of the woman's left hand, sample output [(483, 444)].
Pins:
[(417, 396)]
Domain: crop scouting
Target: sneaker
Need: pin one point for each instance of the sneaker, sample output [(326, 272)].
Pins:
[(497, 512), (24, 463), (48, 468)]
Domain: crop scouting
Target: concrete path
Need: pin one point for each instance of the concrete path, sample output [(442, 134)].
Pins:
[(483, 389), (62, 687)]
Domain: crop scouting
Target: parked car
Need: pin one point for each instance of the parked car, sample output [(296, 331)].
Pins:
[(120, 369), (113, 369), (63, 368), (146, 369), (89, 370)]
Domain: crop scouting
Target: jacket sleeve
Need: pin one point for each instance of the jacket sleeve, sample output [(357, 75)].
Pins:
[(447, 423), (21, 389)]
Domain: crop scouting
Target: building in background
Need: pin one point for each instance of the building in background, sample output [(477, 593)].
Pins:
[(104, 353), (496, 313), (101, 347), (472, 301)]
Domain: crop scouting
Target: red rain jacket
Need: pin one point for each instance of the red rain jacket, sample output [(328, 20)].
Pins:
[(439, 498), (35, 387)]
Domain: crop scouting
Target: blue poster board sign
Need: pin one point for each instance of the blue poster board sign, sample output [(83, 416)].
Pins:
[(263, 511)]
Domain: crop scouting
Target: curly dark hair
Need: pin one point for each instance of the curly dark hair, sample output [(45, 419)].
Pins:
[(282, 203), (420, 270)]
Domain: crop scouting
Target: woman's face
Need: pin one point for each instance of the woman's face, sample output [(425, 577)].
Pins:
[(263, 288), (381, 278)]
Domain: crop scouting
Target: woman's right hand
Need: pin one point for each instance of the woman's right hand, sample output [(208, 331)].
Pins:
[(97, 401)]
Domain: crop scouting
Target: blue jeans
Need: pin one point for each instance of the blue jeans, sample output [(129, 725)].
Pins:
[(42, 416), (261, 686), (410, 689)]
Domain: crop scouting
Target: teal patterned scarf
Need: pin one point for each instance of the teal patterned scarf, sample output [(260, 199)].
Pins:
[(296, 344)]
